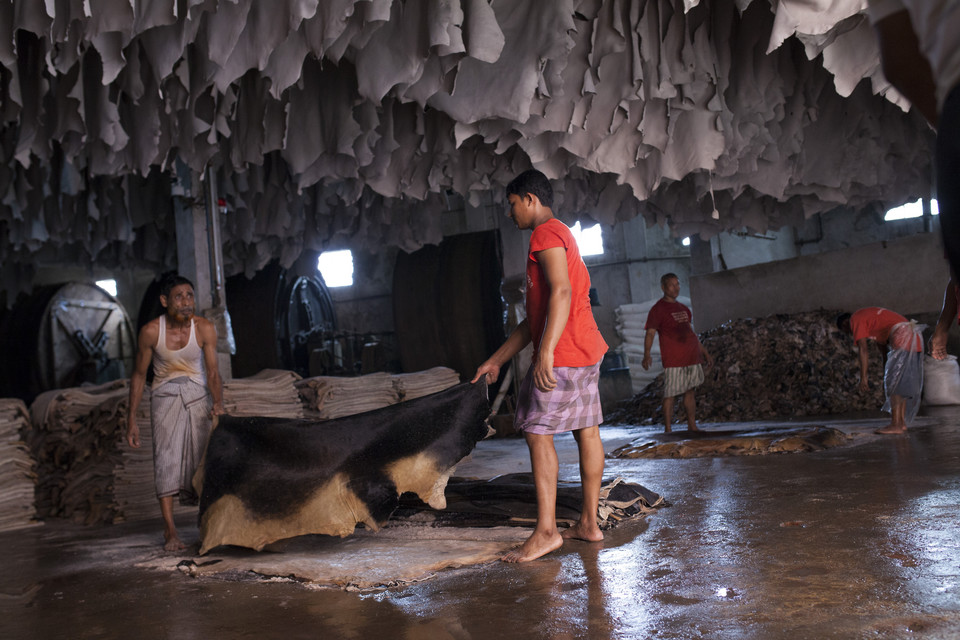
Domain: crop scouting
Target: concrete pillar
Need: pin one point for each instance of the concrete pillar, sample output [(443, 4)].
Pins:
[(199, 254)]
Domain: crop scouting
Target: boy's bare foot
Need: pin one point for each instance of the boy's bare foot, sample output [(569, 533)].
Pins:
[(891, 429), (536, 545), (582, 532), (666, 429), (693, 427), (173, 543)]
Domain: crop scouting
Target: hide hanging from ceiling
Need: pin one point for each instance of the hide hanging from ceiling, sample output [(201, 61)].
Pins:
[(347, 122)]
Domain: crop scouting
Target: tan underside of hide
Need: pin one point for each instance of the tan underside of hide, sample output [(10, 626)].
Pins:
[(333, 510), (421, 475)]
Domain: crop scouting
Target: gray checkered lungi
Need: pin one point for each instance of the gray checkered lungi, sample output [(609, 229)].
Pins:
[(573, 404)]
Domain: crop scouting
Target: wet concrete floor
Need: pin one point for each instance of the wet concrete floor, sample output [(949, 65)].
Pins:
[(859, 541)]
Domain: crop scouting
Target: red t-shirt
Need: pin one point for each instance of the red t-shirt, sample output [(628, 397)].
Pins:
[(580, 344), (874, 322), (679, 345)]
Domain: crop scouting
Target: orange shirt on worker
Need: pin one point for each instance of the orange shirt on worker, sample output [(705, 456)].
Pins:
[(581, 344)]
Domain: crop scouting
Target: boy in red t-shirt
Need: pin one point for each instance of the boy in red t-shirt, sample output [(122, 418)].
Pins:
[(560, 392), (903, 367), (680, 351)]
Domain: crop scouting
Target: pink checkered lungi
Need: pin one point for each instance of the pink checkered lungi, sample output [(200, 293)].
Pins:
[(573, 404)]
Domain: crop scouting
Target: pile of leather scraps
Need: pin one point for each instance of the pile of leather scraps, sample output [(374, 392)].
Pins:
[(18, 477), (778, 366), (87, 473), (351, 120), (511, 500), (328, 397), (732, 443)]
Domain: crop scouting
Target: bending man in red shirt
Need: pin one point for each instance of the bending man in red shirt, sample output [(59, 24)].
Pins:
[(680, 351), (903, 367), (560, 392)]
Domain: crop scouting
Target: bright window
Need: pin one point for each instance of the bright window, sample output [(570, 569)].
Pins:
[(911, 210), (110, 286), (336, 267), (589, 240)]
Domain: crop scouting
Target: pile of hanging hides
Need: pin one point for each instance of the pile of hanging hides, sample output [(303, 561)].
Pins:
[(358, 120)]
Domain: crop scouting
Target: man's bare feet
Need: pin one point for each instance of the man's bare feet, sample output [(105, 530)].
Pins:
[(535, 546), (693, 427), (581, 531), (892, 429), (666, 429), (173, 543)]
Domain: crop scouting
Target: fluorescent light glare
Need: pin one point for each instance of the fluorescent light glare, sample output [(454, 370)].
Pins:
[(336, 267), (589, 240), (110, 286)]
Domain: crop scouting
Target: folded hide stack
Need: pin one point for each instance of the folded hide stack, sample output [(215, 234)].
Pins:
[(328, 397), (272, 393), (423, 383), (18, 478)]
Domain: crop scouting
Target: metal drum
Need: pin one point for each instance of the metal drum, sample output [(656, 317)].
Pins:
[(63, 336)]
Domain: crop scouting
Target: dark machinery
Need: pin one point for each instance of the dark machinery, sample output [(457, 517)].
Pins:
[(279, 320), (63, 336)]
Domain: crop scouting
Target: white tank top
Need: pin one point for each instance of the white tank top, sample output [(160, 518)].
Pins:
[(186, 362)]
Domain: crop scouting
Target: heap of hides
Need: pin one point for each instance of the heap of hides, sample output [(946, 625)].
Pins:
[(778, 366), (86, 471), (265, 479), (350, 121), (18, 478), (330, 397)]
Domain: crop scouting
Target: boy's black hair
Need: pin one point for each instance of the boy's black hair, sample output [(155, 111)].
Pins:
[(842, 319), (534, 183), (667, 276)]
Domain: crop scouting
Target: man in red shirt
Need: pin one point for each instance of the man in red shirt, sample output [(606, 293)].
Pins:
[(560, 392), (680, 350), (903, 367)]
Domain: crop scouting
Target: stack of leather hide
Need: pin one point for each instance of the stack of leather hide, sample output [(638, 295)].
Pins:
[(88, 473), (17, 476), (328, 397), (270, 393), (423, 383)]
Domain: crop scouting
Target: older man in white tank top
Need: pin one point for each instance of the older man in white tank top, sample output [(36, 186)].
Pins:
[(185, 395)]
